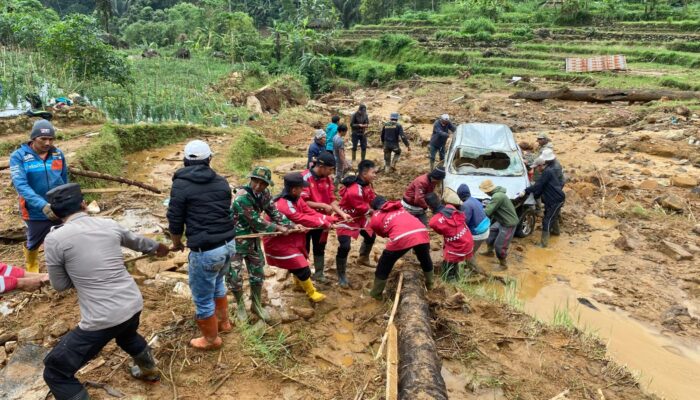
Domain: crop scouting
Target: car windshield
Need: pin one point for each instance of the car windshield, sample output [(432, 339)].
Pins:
[(468, 160)]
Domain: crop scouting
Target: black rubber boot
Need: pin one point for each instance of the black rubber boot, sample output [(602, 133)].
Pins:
[(365, 251), (354, 154), (378, 288), (256, 303), (341, 265), (319, 266), (544, 242), (363, 153), (488, 252), (502, 265), (144, 367), (81, 395)]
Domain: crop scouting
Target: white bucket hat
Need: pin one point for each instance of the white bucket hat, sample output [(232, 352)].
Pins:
[(445, 117), (548, 154), (197, 150)]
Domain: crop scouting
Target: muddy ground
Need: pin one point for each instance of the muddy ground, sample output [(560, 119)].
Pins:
[(631, 199)]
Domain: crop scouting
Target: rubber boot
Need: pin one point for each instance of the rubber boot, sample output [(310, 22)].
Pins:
[(544, 242), (210, 339), (319, 266), (378, 288), (341, 265), (241, 314), (221, 312), (81, 395), (256, 306), (502, 265), (387, 162), (429, 279), (394, 162), (554, 229), (488, 252), (365, 251), (144, 366), (310, 290), (31, 259), (354, 155), (363, 153), (432, 165)]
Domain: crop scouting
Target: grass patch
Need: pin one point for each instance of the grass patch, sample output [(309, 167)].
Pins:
[(102, 154), (250, 146), (562, 318), (270, 348)]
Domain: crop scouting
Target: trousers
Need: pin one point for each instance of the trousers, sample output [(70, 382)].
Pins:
[(389, 258), (500, 238)]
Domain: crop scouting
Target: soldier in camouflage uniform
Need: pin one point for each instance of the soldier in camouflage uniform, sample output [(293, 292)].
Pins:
[(249, 203)]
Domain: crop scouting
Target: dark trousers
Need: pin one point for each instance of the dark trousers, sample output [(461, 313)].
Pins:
[(314, 237), (499, 239), (550, 220), (358, 138), (344, 243), (389, 258), (80, 346), (37, 231), (301, 273)]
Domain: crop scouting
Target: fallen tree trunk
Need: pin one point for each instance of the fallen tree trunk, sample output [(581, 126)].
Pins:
[(98, 175), (606, 95), (419, 363)]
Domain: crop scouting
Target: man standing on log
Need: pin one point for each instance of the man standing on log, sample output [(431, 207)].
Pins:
[(85, 253), (392, 133), (441, 132), (414, 196), (405, 232), (356, 195), (249, 203), (318, 193), (504, 221), (549, 188), (291, 252), (458, 245), (37, 167), (199, 207), (359, 122)]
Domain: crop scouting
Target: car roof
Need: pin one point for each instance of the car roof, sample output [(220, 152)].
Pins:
[(486, 136)]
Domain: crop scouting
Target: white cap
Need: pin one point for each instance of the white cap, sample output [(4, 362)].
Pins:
[(538, 161), (319, 134), (548, 154), (445, 117), (197, 150)]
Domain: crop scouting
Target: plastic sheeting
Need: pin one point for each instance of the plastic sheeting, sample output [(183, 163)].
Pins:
[(497, 137)]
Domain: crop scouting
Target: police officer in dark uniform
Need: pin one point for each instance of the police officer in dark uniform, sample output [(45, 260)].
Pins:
[(392, 132)]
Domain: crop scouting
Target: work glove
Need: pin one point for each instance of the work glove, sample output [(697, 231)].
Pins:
[(49, 213)]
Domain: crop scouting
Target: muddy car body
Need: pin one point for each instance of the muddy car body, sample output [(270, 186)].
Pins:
[(489, 151)]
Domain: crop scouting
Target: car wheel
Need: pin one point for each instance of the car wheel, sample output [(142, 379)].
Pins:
[(527, 223)]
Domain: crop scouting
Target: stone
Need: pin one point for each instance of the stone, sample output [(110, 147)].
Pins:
[(3, 356), (10, 346), (646, 172), (171, 277), (648, 184), (675, 251), (672, 202), (696, 229), (288, 317), (93, 207), (182, 289), (304, 312), (585, 190), (684, 181), (253, 105), (692, 248), (30, 333), (58, 328), (626, 243)]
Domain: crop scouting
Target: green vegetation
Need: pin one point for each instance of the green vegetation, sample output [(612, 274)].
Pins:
[(271, 348), (562, 318), (249, 146)]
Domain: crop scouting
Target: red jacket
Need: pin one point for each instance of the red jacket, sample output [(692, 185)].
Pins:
[(8, 277), (289, 251), (403, 229), (320, 190), (452, 225), (354, 201), (416, 191)]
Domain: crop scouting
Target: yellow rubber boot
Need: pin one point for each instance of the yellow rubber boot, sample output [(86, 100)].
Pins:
[(311, 291), (31, 260)]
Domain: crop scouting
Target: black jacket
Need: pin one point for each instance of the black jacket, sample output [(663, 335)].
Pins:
[(358, 119), (549, 187), (200, 202), (392, 132)]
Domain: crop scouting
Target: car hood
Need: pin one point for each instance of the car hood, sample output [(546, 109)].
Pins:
[(512, 184)]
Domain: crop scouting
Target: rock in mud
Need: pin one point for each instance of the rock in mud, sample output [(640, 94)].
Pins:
[(287, 317), (3, 356), (10, 346), (93, 207), (30, 333), (626, 242), (617, 118), (696, 229), (672, 202), (648, 184), (675, 251), (304, 312), (182, 290), (684, 181), (58, 328), (253, 105)]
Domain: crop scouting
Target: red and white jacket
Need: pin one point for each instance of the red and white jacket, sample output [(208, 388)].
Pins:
[(416, 191), (452, 225), (289, 251), (355, 201), (403, 229), (320, 190), (8, 277)]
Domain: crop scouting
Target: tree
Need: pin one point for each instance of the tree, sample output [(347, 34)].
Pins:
[(348, 11), (105, 11)]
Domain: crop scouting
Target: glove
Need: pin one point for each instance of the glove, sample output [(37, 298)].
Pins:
[(521, 194), (49, 213)]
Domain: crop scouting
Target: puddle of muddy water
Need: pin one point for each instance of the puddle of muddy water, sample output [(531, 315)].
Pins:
[(557, 276), (458, 378)]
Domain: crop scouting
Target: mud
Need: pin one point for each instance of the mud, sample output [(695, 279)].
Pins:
[(647, 301)]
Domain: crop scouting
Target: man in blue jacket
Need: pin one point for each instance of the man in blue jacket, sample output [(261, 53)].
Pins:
[(477, 221), (438, 140), (37, 167), (548, 187)]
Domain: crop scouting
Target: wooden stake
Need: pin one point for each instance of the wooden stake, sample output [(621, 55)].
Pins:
[(391, 316), (392, 364), (561, 396)]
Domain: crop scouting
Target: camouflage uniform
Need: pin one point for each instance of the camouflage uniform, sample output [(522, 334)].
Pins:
[(247, 209)]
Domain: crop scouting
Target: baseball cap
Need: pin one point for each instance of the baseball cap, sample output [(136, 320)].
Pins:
[(197, 150)]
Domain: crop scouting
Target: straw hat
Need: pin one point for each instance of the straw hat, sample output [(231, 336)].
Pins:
[(487, 186), (449, 196)]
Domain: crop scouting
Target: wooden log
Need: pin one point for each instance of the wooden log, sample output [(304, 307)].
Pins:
[(606, 95), (98, 175), (419, 363)]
